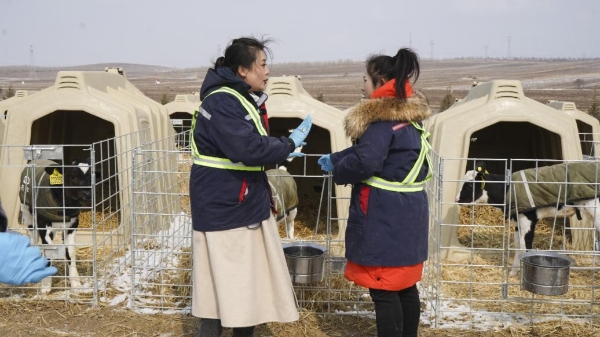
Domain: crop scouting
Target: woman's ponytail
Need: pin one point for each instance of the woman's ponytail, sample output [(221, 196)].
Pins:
[(220, 62), (406, 66)]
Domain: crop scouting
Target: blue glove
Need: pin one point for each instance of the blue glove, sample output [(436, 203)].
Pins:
[(296, 154), (299, 135), (325, 162), (21, 263)]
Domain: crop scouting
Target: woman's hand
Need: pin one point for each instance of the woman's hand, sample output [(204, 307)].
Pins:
[(325, 162)]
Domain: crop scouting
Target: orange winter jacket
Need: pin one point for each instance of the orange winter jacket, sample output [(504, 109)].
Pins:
[(385, 278)]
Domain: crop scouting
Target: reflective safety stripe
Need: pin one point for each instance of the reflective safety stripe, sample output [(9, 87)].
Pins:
[(224, 163), (394, 186), (408, 184), (254, 114)]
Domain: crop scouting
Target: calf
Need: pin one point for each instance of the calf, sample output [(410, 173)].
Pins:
[(285, 196), (481, 187), (59, 193)]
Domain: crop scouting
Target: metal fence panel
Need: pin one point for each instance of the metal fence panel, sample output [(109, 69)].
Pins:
[(137, 246)]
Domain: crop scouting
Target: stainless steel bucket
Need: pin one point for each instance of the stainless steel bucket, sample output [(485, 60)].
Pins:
[(305, 262), (545, 272)]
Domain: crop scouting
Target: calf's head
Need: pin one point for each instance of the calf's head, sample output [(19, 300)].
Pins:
[(472, 189), (76, 178)]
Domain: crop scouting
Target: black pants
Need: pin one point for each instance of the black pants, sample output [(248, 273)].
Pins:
[(397, 312), (212, 328)]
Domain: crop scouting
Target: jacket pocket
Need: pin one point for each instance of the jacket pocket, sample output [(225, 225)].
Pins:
[(243, 191)]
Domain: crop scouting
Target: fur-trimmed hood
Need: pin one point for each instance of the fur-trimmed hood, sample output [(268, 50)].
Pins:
[(415, 109)]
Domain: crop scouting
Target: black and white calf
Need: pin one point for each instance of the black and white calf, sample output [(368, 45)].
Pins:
[(481, 187), (55, 194), (285, 195)]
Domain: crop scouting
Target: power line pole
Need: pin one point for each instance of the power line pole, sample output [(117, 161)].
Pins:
[(31, 63), (509, 52), (486, 51), (431, 50), (409, 39)]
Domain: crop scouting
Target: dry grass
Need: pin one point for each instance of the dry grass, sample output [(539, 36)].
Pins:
[(478, 281), (489, 230), (59, 319), (105, 221)]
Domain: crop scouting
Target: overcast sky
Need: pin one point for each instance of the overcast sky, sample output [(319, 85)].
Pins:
[(182, 34)]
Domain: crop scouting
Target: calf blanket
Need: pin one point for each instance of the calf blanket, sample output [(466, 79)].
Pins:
[(553, 185), (284, 191), (35, 181)]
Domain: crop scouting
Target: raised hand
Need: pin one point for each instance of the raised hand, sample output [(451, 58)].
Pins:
[(299, 134)]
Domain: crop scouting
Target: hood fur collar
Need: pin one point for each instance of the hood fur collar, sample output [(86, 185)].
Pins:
[(415, 109)]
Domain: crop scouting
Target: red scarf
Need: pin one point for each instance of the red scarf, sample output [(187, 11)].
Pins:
[(388, 89)]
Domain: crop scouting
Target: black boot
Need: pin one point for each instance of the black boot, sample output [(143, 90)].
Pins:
[(209, 327), (243, 332)]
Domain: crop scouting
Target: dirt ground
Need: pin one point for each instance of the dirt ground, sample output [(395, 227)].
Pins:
[(60, 319), (339, 84)]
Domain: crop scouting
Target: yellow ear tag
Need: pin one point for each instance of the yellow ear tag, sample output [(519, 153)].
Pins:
[(478, 168), (56, 178)]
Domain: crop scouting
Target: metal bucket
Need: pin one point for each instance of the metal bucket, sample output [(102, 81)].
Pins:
[(545, 273), (305, 262)]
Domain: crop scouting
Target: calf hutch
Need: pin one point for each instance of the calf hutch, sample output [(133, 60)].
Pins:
[(97, 114), (587, 125), (288, 104), (497, 121), (468, 273), (181, 111)]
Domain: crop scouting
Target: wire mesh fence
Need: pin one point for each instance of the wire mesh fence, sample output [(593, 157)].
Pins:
[(471, 278), (101, 235), (133, 244)]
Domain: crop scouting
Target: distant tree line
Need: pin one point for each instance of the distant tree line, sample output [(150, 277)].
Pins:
[(448, 99)]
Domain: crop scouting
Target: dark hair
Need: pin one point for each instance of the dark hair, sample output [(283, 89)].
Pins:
[(243, 52), (401, 67)]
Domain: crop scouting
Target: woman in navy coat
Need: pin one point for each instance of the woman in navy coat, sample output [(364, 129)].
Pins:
[(386, 235), (240, 274)]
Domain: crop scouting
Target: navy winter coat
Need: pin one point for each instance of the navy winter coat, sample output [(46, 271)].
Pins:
[(385, 228), (224, 199)]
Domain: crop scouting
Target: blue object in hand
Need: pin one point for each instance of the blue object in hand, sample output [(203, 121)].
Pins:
[(299, 134), (21, 263), (325, 162), (296, 154)]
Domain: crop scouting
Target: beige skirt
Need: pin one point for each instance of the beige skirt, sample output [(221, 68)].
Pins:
[(240, 277)]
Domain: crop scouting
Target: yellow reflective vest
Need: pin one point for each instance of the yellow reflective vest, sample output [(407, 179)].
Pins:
[(224, 163), (408, 184)]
